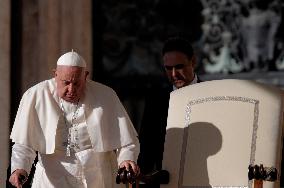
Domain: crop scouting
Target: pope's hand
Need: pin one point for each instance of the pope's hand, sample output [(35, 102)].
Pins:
[(18, 178), (133, 165)]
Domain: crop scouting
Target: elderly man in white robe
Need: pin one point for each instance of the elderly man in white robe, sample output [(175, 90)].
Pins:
[(79, 128)]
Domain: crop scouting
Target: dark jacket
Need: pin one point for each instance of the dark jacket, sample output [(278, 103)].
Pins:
[(153, 129)]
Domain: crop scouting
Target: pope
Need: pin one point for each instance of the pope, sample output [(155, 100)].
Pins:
[(78, 128)]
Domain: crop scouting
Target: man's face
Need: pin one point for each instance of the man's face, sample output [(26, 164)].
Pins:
[(71, 82), (179, 69)]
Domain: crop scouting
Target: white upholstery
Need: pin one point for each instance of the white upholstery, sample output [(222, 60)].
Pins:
[(216, 129)]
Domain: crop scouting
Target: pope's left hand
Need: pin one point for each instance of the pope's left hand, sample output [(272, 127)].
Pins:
[(128, 163)]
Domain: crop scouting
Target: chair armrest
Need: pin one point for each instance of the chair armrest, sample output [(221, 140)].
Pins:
[(157, 177)]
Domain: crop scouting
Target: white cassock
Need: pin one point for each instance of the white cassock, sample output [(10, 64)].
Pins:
[(103, 136)]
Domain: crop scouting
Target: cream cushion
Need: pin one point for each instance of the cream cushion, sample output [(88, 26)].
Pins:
[(216, 129)]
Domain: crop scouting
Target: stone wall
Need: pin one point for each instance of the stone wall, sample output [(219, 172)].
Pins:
[(4, 88)]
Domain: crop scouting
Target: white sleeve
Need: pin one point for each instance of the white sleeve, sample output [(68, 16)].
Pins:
[(22, 157), (129, 152)]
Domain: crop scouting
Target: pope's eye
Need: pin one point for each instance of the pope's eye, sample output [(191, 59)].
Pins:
[(66, 83)]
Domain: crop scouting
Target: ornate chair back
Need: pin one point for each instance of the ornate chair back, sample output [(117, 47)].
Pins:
[(217, 129)]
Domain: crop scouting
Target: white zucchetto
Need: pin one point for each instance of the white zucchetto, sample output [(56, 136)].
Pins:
[(71, 59)]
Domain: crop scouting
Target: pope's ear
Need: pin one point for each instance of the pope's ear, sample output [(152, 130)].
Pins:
[(86, 74), (54, 72)]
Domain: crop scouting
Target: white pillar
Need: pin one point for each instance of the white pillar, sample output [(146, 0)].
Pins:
[(4, 88), (51, 28)]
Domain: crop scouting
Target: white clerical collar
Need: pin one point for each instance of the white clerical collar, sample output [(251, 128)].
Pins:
[(194, 81)]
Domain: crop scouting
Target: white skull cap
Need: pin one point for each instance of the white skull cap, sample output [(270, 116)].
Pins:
[(71, 59)]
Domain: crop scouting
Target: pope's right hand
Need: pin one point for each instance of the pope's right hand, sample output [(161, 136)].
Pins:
[(18, 178)]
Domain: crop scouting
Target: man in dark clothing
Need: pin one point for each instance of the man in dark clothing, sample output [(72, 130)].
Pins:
[(179, 62)]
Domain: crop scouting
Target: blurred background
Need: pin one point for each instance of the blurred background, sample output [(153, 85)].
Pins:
[(122, 41)]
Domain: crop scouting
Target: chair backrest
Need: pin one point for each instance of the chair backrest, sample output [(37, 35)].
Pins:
[(216, 129)]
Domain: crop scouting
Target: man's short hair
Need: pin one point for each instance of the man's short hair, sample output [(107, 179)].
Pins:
[(179, 44)]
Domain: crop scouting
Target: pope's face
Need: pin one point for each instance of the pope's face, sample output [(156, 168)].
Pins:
[(71, 82), (179, 68)]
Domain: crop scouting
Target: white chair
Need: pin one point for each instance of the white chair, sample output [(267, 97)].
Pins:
[(216, 129)]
